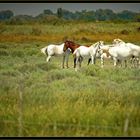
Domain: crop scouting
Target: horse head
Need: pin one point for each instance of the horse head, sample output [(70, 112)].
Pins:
[(117, 41), (71, 45), (67, 44), (99, 45)]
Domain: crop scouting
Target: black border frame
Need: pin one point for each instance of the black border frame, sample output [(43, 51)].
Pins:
[(69, 1)]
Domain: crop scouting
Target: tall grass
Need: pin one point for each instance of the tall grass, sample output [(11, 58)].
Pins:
[(89, 31), (62, 102)]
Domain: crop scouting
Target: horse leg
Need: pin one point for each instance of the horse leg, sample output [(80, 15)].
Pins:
[(80, 60), (102, 61), (135, 62), (89, 60), (131, 62), (119, 63), (92, 59), (48, 58), (63, 61), (138, 62), (125, 62), (74, 62), (67, 59), (115, 61)]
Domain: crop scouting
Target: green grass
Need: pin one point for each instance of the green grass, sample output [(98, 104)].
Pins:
[(94, 101), (80, 32), (89, 27)]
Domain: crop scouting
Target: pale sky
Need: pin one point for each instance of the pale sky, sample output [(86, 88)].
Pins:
[(37, 8)]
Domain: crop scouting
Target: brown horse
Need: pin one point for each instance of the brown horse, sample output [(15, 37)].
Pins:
[(73, 46)]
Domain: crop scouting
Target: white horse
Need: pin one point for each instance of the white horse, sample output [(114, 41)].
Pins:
[(105, 54), (56, 50), (89, 52), (118, 42), (121, 52), (102, 55), (135, 50)]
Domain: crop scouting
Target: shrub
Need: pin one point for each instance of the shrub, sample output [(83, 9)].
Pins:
[(45, 66), (3, 52), (138, 29), (125, 32), (85, 39), (25, 68), (17, 53), (36, 31)]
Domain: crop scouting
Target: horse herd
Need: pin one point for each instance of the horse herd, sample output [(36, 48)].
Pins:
[(118, 51)]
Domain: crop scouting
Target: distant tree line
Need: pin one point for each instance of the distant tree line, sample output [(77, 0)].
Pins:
[(7, 14), (62, 14)]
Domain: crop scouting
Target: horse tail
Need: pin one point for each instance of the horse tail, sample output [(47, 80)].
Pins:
[(44, 50)]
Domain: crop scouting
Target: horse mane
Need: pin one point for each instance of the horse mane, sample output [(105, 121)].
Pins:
[(69, 41), (71, 45), (119, 40), (95, 45)]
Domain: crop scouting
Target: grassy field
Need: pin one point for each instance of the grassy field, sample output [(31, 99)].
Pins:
[(80, 32), (41, 99)]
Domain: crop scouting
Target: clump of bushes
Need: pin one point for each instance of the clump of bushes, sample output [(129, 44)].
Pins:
[(138, 29), (85, 39), (3, 52), (125, 32), (36, 31), (45, 66)]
